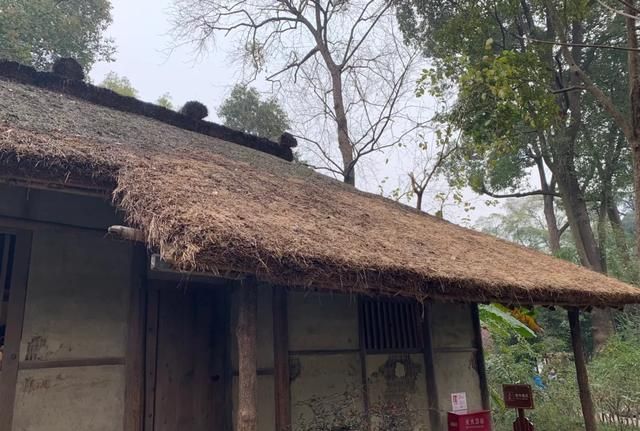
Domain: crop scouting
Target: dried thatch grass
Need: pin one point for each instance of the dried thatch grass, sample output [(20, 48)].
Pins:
[(206, 204)]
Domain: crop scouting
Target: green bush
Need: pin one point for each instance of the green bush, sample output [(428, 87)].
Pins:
[(614, 376)]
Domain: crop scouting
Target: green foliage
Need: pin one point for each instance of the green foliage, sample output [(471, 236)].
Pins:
[(502, 99), (36, 32), (514, 359), (522, 221), (500, 321), (503, 91), (515, 86), (165, 101), (615, 380), (615, 383), (119, 84), (245, 110)]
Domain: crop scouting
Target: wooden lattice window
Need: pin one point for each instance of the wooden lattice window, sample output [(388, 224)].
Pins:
[(391, 326), (7, 251)]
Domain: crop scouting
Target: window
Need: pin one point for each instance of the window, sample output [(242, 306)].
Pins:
[(7, 251), (391, 326)]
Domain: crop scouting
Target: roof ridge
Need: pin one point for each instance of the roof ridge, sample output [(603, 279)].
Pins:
[(104, 97)]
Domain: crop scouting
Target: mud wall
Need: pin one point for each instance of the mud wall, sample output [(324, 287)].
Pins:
[(71, 370)]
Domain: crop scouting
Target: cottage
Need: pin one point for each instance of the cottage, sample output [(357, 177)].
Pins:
[(163, 273)]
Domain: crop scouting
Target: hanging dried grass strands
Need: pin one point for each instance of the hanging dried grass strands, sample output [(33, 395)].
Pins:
[(207, 197)]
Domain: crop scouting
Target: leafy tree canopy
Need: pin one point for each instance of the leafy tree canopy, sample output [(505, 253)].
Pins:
[(36, 32), (522, 221), (119, 84), (507, 103), (245, 110)]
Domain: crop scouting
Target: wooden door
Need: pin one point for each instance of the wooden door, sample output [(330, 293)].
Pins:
[(15, 250), (190, 358)]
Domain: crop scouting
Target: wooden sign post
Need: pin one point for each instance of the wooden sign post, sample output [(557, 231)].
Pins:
[(519, 397)]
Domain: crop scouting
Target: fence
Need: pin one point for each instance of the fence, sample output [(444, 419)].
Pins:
[(628, 420)]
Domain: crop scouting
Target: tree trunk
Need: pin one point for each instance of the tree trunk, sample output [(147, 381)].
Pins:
[(635, 151), (344, 143), (620, 240), (588, 410), (247, 419), (552, 224), (634, 99), (419, 195), (602, 233), (579, 221), (588, 250), (549, 208)]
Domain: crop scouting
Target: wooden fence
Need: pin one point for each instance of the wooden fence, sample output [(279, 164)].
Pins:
[(625, 421)]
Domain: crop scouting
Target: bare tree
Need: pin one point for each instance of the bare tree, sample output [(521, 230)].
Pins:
[(351, 76)]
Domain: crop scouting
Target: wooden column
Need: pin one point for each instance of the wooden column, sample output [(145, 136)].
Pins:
[(15, 321), (151, 355), (247, 419), (281, 359), (430, 369), (136, 337), (588, 410), (482, 370)]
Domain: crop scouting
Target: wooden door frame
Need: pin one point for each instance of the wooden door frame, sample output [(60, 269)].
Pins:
[(135, 367), (15, 322), (149, 305)]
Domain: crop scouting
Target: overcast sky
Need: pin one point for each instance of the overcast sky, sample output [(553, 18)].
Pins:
[(140, 30)]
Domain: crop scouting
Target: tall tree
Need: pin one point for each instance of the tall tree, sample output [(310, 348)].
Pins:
[(36, 32), (245, 110), (349, 71), (521, 109), (627, 120)]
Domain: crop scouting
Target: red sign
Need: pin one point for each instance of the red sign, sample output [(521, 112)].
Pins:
[(518, 396), (472, 421)]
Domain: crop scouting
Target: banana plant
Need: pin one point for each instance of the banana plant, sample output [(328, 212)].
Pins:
[(503, 320)]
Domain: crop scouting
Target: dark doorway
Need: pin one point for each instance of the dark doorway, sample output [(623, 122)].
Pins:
[(188, 386), (15, 249)]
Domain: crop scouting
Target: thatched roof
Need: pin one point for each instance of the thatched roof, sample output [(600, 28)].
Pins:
[(207, 204)]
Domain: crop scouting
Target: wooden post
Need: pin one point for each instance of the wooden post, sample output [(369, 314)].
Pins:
[(135, 360), (482, 370), (15, 321), (247, 419), (281, 359), (430, 369), (588, 410)]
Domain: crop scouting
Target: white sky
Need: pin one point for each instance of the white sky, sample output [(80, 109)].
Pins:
[(140, 30)]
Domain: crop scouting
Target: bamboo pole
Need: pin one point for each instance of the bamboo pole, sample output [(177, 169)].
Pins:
[(247, 419), (588, 410)]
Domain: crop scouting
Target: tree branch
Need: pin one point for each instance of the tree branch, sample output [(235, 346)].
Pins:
[(577, 45), (569, 89), (484, 191)]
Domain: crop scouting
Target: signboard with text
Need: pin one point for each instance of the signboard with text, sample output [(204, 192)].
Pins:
[(471, 421), (518, 396), (459, 401)]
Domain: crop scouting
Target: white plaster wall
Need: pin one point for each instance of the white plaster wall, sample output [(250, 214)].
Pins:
[(397, 392), (70, 399), (322, 321), (76, 297), (455, 356), (76, 309)]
